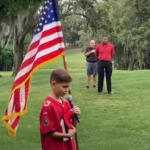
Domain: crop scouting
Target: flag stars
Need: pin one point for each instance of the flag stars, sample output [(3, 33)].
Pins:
[(46, 8), (47, 15)]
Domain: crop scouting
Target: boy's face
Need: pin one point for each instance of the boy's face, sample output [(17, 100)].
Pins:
[(61, 89)]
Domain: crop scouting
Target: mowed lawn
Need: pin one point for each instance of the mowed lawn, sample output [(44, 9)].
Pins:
[(108, 122)]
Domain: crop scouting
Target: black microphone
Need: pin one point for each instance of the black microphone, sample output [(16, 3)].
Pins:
[(69, 98)]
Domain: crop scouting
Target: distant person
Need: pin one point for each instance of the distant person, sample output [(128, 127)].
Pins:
[(92, 64), (104, 52), (57, 121)]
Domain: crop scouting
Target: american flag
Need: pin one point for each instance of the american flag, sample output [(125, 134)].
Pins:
[(46, 46)]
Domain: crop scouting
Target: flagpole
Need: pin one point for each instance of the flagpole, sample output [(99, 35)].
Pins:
[(65, 62), (66, 67)]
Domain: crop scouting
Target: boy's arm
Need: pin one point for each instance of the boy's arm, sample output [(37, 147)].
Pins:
[(47, 126), (59, 135), (70, 133)]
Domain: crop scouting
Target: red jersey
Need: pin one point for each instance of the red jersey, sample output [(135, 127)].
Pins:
[(104, 52), (56, 117)]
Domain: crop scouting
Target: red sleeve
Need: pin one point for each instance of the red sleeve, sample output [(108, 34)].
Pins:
[(47, 125), (97, 51), (112, 51)]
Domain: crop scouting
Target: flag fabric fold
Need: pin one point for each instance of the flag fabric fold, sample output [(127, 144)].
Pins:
[(46, 46)]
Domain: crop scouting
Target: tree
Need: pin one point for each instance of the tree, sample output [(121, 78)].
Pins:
[(6, 59), (71, 26), (127, 25), (21, 18), (131, 31)]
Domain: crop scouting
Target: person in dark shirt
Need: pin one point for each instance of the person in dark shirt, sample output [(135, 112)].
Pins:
[(91, 64), (104, 51)]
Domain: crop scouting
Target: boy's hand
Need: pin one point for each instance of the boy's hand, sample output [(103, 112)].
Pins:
[(76, 110), (71, 132)]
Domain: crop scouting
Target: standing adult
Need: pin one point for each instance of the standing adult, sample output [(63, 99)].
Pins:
[(104, 51), (91, 65)]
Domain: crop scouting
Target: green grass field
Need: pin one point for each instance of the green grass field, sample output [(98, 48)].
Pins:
[(108, 122)]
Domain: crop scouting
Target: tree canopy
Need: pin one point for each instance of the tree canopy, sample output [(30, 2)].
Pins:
[(125, 22)]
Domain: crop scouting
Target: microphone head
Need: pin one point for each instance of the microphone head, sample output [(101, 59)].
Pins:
[(69, 98)]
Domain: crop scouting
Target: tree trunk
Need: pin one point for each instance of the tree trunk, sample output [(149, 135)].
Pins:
[(19, 36), (17, 51), (131, 65), (18, 56), (147, 66), (143, 67)]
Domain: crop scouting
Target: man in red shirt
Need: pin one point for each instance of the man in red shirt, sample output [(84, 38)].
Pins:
[(57, 121), (104, 51)]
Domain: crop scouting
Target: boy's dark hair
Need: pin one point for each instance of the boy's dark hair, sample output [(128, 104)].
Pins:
[(60, 76)]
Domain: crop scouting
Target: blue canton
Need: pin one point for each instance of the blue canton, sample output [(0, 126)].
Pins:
[(49, 14)]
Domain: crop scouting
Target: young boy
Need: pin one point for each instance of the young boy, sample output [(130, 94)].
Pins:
[(57, 122)]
